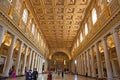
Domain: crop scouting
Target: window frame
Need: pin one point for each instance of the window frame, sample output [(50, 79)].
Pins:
[(86, 29), (25, 15), (33, 28), (94, 16)]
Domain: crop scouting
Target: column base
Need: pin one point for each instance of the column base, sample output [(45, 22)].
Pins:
[(5, 75)]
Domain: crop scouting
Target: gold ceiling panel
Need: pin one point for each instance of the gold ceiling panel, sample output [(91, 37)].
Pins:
[(35, 2), (59, 20)]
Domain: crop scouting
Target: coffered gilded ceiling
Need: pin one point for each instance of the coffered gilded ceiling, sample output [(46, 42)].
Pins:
[(59, 20)]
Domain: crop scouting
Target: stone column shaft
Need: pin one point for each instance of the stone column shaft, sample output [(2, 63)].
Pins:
[(117, 44), (88, 63), (2, 31), (30, 59), (25, 59), (85, 63), (39, 64), (80, 64), (36, 61), (92, 63), (9, 58), (115, 73), (83, 68), (18, 58), (98, 62), (107, 60), (79, 67), (33, 61)]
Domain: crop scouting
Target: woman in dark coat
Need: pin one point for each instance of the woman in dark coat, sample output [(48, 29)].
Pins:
[(27, 75), (35, 74), (62, 73)]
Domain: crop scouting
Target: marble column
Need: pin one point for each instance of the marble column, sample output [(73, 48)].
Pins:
[(29, 63), (33, 61), (88, 63), (79, 64), (9, 58), (18, 58), (25, 59), (98, 61), (107, 60), (36, 60), (85, 63), (115, 73), (2, 31), (83, 67), (39, 64), (76, 65), (117, 43), (92, 63)]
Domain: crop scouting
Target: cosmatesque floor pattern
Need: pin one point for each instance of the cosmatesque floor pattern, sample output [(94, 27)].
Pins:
[(56, 77)]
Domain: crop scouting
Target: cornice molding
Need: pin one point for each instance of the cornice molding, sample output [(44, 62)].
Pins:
[(16, 31), (110, 24)]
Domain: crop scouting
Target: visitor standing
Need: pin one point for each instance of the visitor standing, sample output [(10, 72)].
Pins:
[(62, 73), (49, 76), (13, 75), (35, 74)]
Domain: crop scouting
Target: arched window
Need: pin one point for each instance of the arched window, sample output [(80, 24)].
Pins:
[(81, 38), (94, 16), (10, 1), (33, 29), (86, 29), (25, 15), (64, 62), (75, 61)]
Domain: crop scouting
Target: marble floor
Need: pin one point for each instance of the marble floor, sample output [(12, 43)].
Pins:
[(56, 77)]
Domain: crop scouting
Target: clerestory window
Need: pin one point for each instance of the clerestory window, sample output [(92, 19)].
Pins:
[(94, 16)]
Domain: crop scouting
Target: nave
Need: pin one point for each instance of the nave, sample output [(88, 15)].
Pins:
[(77, 36), (56, 77)]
